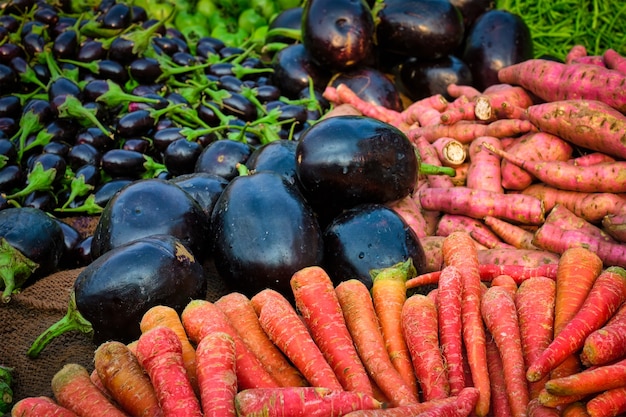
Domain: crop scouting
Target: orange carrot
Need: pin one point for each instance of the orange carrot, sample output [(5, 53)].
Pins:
[(162, 315), (610, 403), (608, 343), (499, 399), (241, 314), (201, 317), (125, 380), (39, 407), (500, 316), (450, 327), (217, 379), (557, 401), (536, 409), (534, 301), (316, 300), (449, 223), (590, 381), (505, 281), (95, 378), (301, 401), (288, 331), (420, 329), (577, 270), (606, 295), (360, 316), (510, 233), (459, 250), (160, 353), (73, 389), (575, 409), (388, 295)]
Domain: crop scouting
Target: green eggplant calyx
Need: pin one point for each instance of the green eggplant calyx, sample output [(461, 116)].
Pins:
[(15, 268)]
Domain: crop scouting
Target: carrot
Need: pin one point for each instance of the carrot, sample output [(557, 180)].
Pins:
[(409, 210), (510, 233), (424, 112), (360, 316), (466, 132), (450, 151), (241, 314), (564, 218), (301, 401), (160, 353), (432, 249), (449, 223), (428, 155), (484, 172), (575, 409), (575, 52), (536, 409), (534, 302), (608, 404), (288, 331), (201, 317), (608, 343), (551, 81), (95, 378), (388, 296), (524, 258), (317, 302), (450, 326), (38, 407), (605, 296), (73, 389), (480, 203), (590, 124), (614, 60), (461, 174), (217, 377), (464, 91), (591, 158), (125, 380), (342, 94), (499, 399), (615, 225), (420, 330), (557, 401), (590, 381), (505, 281), (500, 315), (162, 315)]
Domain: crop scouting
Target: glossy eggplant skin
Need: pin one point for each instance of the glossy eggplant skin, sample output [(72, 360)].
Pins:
[(371, 85), (263, 231), (497, 39), (277, 156), (116, 289), (418, 78), (339, 34), (366, 237), (149, 207)]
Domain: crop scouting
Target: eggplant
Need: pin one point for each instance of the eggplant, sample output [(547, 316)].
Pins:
[(149, 207), (498, 39), (293, 66), (371, 85), (205, 188), (277, 156), (263, 231), (31, 247), (112, 293), (343, 161), (368, 237), (221, 158), (419, 78)]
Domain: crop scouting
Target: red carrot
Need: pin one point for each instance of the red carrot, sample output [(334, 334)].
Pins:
[(160, 353), (432, 249), (615, 61), (561, 217), (288, 331), (534, 301), (343, 94), (410, 212), (38, 407), (608, 343), (510, 233), (424, 112), (241, 314), (575, 52), (428, 155), (450, 326), (557, 401), (500, 315), (505, 281), (575, 409), (606, 295), (125, 380), (590, 381), (317, 302), (450, 223), (457, 90), (591, 158), (527, 258), (536, 409), (484, 172), (201, 317), (480, 203), (217, 378), (451, 152), (610, 403), (301, 402), (466, 132), (73, 390), (360, 316), (615, 225), (499, 399)]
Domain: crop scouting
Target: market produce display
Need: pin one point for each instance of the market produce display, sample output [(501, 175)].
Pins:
[(414, 207)]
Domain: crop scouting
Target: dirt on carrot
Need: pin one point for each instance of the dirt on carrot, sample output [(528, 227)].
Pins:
[(38, 407)]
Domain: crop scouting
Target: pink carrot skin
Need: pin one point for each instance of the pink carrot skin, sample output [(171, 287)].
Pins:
[(536, 146), (241, 314), (466, 112), (608, 343), (424, 112), (615, 61), (536, 409), (201, 317), (38, 407), (480, 203), (502, 101), (288, 331), (73, 390), (160, 353), (451, 152), (615, 225), (484, 172), (505, 281), (428, 155), (591, 159), (450, 326), (301, 402), (590, 381), (450, 223), (590, 60), (456, 91), (318, 305), (342, 94), (606, 295), (560, 216), (500, 315), (534, 301), (420, 329), (466, 132), (575, 52), (610, 403), (589, 124), (432, 249), (510, 233), (410, 212), (527, 258), (499, 399)]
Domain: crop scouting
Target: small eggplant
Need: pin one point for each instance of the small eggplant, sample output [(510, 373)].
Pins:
[(420, 78), (203, 187), (293, 67), (112, 293), (221, 158)]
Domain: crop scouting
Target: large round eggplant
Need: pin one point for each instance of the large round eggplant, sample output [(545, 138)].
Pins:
[(368, 237), (263, 232), (293, 67), (31, 246), (498, 39), (419, 78), (343, 161), (112, 293), (149, 207), (339, 34)]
